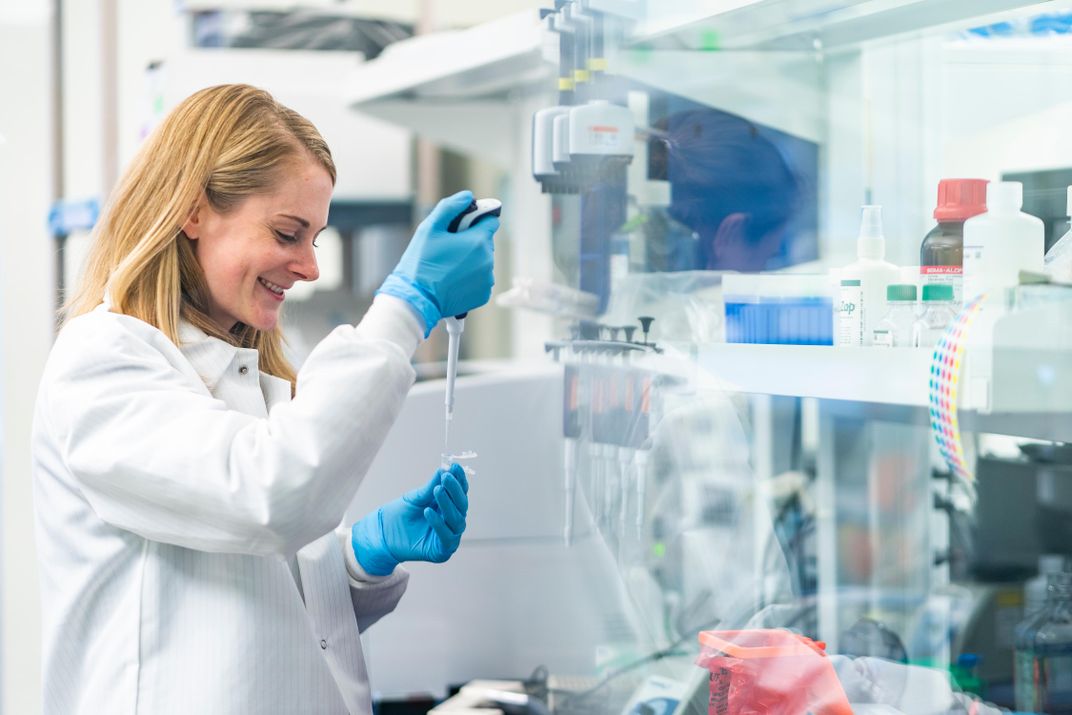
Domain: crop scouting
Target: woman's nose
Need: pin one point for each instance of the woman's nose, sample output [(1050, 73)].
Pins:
[(305, 268)]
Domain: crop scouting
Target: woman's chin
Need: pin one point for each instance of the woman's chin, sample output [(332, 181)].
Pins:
[(263, 322)]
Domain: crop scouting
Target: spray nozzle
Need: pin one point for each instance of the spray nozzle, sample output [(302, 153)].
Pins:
[(871, 242)]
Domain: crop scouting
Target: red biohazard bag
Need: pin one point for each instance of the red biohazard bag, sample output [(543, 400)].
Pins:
[(770, 672)]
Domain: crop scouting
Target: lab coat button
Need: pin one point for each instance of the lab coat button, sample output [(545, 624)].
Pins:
[(243, 370), (323, 645)]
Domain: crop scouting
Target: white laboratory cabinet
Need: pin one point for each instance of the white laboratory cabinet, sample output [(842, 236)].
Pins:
[(738, 468)]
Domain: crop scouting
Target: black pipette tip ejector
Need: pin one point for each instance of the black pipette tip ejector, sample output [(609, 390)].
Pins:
[(478, 210)]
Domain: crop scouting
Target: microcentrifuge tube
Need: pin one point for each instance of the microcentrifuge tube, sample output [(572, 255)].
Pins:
[(461, 458)]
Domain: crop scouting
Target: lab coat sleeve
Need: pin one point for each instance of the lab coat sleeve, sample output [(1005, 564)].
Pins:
[(154, 453), (373, 596)]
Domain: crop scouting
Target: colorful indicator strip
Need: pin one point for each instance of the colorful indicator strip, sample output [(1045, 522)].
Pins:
[(944, 383)]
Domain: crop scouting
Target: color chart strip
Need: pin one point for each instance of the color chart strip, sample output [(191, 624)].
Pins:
[(944, 384)]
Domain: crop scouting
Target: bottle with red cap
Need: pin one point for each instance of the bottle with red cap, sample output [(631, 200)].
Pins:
[(941, 257)]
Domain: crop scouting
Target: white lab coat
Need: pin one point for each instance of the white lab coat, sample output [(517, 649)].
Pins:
[(187, 512)]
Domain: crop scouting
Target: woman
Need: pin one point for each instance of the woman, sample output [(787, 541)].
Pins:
[(188, 484)]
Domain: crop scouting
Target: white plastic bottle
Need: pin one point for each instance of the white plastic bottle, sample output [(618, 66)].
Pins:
[(1001, 243), (862, 294)]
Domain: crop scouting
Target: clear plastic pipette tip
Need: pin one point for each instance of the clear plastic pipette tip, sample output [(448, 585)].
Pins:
[(454, 328)]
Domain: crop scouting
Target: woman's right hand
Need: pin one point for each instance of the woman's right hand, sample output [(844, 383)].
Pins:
[(441, 273)]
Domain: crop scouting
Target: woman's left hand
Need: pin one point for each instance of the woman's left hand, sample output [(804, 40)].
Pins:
[(425, 524)]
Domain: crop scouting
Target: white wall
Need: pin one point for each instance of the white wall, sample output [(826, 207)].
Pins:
[(25, 329), (373, 157), (1008, 108)]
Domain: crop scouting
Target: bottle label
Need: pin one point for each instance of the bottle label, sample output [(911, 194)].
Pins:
[(883, 338), (973, 272), (1043, 682), (851, 313), (945, 275)]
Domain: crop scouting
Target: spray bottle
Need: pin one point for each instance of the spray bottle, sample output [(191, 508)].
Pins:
[(863, 283)]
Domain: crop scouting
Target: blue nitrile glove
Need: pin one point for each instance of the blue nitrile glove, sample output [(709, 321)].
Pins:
[(441, 273), (426, 524)]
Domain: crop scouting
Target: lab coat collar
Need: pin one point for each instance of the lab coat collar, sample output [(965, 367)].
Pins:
[(210, 356)]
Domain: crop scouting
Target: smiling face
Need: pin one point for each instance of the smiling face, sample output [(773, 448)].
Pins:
[(254, 252)]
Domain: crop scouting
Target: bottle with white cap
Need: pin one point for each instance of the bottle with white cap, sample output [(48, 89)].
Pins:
[(1058, 259), (1001, 243), (862, 294)]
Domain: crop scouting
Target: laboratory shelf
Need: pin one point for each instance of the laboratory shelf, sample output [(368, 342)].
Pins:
[(891, 376), (1028, 396), (483, 62), (793, 25)]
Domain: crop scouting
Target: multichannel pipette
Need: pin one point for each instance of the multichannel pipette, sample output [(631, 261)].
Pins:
[(455, 325)]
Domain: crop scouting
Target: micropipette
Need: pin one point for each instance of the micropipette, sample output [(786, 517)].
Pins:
[(455, 325)]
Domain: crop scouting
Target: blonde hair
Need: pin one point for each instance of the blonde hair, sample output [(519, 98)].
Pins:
[(228, 143)]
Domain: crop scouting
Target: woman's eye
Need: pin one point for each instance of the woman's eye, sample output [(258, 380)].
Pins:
[(286, 237), (315, 244)]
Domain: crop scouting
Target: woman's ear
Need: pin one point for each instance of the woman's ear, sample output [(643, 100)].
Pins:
[(729, 242), (192, 227)]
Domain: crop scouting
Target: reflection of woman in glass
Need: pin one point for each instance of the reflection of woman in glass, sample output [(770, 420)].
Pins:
[(732, 186)]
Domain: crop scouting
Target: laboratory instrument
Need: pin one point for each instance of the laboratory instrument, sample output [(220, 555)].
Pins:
[(1001, 243), (455, 324), (941, 255), (862, 298), (895, 328), (552, 175)]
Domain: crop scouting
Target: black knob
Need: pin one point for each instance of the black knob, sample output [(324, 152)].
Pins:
[(645, 325), (629, 331)]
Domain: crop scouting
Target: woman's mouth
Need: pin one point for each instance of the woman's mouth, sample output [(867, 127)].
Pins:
[(276, 291)]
